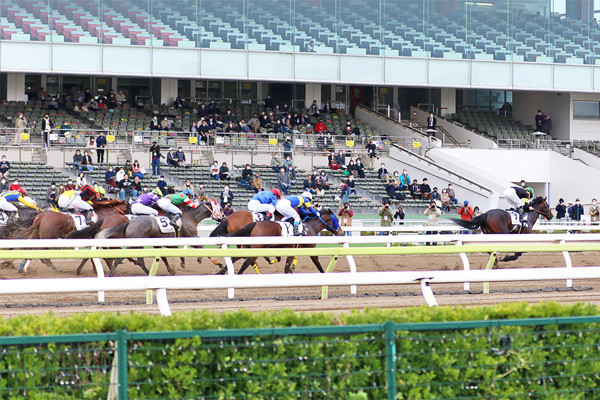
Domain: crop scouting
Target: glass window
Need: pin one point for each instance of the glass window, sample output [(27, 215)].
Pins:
[(586, 109)]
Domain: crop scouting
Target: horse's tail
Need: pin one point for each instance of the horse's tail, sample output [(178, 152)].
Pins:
[(475, 223), (220, 230), (245, 231), (25, 233), (86, 233), (114, 232)]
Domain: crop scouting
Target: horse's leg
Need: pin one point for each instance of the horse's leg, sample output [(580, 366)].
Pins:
[(248, 262), (114, 265), (142, 264), (513, 257), (182, 262), (49, 263), (171, 270), (274, 261), (83, 262), (288, 265), (315, 260)]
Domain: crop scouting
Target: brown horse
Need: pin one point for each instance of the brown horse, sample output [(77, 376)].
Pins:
[(237, 221), (312, 226), (499, 221), (55, 225)]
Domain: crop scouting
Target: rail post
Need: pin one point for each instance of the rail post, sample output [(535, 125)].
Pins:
[(490, 265), (390, 360), (325, 289), (153, 270), (122, 364)]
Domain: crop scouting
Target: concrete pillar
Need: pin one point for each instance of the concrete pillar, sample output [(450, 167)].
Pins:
[(448, 101), (193, 88), (168, 90), (114, 84), (15, 87), (259, 91), (313, 92)]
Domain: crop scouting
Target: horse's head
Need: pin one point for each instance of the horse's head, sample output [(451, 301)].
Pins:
[(542, 207), (331, 222)]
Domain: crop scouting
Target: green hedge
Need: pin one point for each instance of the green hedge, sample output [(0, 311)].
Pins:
[(542, 362)]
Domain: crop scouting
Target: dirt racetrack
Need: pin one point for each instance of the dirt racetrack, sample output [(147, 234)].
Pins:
[(308, 299)]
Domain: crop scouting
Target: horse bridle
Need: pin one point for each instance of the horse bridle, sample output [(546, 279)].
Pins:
[(546, 215), (329, 227)]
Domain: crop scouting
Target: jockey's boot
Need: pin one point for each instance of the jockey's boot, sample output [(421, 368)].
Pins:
[(269, 216), (173, 219), (13, 215), (88, 216), (297, 231), (520, 210)]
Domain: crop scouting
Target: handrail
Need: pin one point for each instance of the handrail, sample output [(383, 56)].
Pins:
[(448, 135), (420, 132), (420, 158)]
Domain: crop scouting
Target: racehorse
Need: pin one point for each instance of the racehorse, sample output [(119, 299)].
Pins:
[(144, 226), (499, 221), (54, 225), (312, 226), (237, 221), (24, 220)]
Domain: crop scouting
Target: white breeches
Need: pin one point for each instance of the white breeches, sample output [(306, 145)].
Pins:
[(6, 205), (140, 209), (511, 196), (73, 203), (285, 208), (167, 206), (257, 206)]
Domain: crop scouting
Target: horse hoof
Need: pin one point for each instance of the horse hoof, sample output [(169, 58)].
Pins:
[(220, 271), (272, 262), (199, 259)]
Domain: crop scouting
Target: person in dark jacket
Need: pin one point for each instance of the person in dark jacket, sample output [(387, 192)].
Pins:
[(561, 209), (155, 155), (78, 160), (109, 178), (360, 168), (100, 146), (4, 167), (246, 180), (351, 184), (425, 189), (576, 211)]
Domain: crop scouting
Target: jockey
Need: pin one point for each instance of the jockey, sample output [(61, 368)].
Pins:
[(165, 204), (287, 205), (144, 203), (101, 192), (264, 201), (79, 200), (517, 197), (181, 198), (13, 196)]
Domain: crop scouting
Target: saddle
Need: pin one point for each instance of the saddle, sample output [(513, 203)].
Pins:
[(287, 228), (259, 216), (517, 223)]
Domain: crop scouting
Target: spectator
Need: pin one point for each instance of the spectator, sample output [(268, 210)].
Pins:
[(17, 186), (547, 125), (227, 210), (346, 215), (576, 211), (180, 157), (52, 195), (120, 175), (154, 124), (20, 126), (81, 181), (594, 211), (435, 195), (137, 170), (452, 195), (224, 173), (110, 178), (313, 110), (46, 126), (287, 148), (201, 196), (425, 189), (178, 103), (257, 183), (445, 199), (325, 180), (344, 194), (351, 185), (128, 168), (194, 129), (120, 97), (155, 155), (226, 196), (70, 185), (276, 162), (331, 161), (125, 188), (162, 185), (386, 216), (383, 173), (320, 127), (292, 173), (4, 185), (86, 161), (214, 171), (561, 210), (466, 213), (78, 160), (283, 181), (476, 212), (433, 219), (392, 191), (399, 215), (539, 121), (569, 210), (254, 124), (203, 132), (165, 124), (100, 146), (309, 184), (287, 162), (360, 168), (246, 179), (91, 144), (172, 158), (431, 122), (404, 180), (415, 190), (4, 167), (350, 169), (318, 185), (341, 159), (188, 189), (65, 129), (371, 151)]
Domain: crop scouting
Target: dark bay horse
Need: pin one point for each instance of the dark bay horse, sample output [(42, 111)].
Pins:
[(499, 221), (143, 226), (312, 227)]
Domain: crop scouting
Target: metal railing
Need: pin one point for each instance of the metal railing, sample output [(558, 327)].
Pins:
[(15, 136), (111, 154)]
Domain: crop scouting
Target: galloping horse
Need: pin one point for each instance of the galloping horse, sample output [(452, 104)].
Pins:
[(144, 226), (54, 225), (237, 221), (312, 226), (499, 221)]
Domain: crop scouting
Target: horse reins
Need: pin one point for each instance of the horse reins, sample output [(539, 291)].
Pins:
[(541, 212)]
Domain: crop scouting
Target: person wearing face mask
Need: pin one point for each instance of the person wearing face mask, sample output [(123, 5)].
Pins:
[(404, 180), (594, 211), (20, 126), (211, 124), (383, 173), (4, 185), (226, 196), (246, 180), (201, 196), (110, 178), (214, 171), (561, 210), (156, 156), (325, 180), (154, 124), (52, 195), (162, 185), (351, 185), (70, 185), (452, 195), (576, 211), (4, 167), (188, 189), (224, 173), (360, 168)]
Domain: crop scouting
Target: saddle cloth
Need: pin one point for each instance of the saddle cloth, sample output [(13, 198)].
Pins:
[(257, 217), (79, 221), (164, 224), (515, 221), (3, 218), (287, 228)]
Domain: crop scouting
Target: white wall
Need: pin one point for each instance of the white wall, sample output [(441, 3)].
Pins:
[(448, 101), (557, 105), (313, 92), (15, 87), (584, 129), (168, 91)]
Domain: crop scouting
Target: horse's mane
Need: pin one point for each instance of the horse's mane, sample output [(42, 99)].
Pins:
[(537, 201), (109, 203)]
